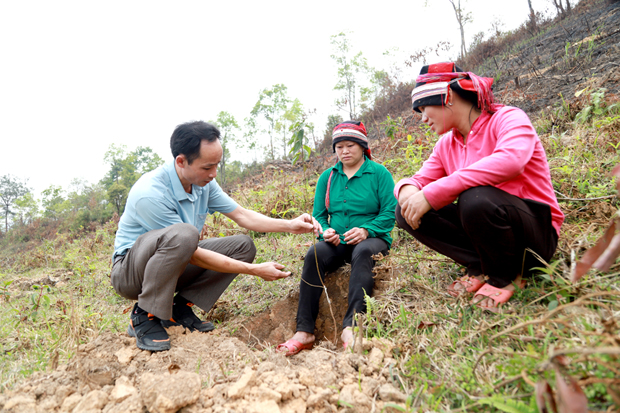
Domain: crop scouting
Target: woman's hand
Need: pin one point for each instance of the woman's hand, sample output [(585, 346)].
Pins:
[(331, 236), (413, 208), (355, 235)]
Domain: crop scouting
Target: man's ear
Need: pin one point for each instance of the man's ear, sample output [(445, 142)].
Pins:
[(180, 161)]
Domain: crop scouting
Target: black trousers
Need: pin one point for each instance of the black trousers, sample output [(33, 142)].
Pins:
[(488, 231), (330, 258)]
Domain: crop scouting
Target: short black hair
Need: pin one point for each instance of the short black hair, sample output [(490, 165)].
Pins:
[(187, 137)]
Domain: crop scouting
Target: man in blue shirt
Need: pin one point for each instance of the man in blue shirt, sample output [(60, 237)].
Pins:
[(157, 251)]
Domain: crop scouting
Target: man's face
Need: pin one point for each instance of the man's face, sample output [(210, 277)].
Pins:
[(204, 168)]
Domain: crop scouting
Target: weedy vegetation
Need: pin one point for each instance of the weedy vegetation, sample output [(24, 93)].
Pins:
[(450, 355)]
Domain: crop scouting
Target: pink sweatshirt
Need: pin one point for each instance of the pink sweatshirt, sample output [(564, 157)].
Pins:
[(502, 150)]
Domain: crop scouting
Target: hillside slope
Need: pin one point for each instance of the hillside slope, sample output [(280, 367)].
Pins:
[(422, 350)]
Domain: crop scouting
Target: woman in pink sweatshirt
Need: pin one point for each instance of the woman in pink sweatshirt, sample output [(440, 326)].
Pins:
[(491, 162)]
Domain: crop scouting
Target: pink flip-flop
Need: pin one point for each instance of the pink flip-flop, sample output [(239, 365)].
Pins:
[(471, 284), (293, 347), (499, 295)]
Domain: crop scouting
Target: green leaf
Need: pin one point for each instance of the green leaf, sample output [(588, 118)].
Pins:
[(508, 405)]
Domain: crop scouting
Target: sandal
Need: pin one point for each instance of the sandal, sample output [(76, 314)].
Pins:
[(471, 284), (293, 347), (499, 295)]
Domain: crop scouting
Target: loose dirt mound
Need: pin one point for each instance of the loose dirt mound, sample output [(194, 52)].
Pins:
[(215, 372), (208, 373)]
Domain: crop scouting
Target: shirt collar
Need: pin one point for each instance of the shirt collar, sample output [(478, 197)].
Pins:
[(365, 168), (177, 186)]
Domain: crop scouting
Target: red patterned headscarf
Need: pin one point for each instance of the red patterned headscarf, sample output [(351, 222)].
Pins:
[(434, 83)]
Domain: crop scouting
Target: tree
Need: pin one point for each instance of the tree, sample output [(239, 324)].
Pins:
[(462, 18), (27, 209), (55, 205), (11, 188), (89, 203), (351, 68), (227, 125), (532, 22), (561, 9), (125, 169), (250, 132), (271, 105), (326, 145), (292, 115)]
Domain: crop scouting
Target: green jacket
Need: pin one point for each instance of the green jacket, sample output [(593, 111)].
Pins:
[(364, 201)]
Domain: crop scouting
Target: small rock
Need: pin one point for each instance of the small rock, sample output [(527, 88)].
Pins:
[(238, 389), (265, 367), (351, 395), (266, 406), (375, 358), (101, 376), (288, 390), (95, 400), (345, 367), (389, 393), (386, 346), (306, 377), (294, 406), (265, 393), (20, 404), (70, 402), (125, 355), (317, 399), (325, 375), (132, 404), (122, 390), (167, 393)]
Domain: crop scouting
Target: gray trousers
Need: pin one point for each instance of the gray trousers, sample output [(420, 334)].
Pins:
[(157, 266)]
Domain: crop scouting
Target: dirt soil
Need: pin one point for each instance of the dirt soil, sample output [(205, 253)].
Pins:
[(216, 372)]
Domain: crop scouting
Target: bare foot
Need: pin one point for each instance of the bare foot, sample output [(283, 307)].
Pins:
[(347, 337), (461, 285), (488, 303)]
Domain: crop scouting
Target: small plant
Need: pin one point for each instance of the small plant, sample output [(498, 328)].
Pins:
[(596, 108)]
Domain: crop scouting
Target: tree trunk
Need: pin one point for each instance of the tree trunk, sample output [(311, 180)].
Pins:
[(459, 18), (533, 24), (223, 168), (559, 7)]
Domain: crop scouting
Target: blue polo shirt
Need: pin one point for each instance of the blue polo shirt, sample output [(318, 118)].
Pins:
[(158, 200)]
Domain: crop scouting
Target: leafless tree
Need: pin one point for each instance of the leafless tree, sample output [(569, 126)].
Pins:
[(562, 9), (532, 23), (462, 18)]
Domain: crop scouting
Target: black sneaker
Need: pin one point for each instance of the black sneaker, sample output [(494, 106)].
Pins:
[(183, 315), (147, 330)]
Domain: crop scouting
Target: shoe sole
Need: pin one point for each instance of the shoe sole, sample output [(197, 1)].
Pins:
[(143, 346), (168, 324)]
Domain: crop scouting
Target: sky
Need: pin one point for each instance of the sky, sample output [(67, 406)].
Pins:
[(78, 76)]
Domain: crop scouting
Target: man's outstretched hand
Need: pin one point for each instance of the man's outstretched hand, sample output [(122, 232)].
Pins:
[(269, 271), (305, 223)]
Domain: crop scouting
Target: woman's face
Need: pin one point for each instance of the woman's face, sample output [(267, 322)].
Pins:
[(349, 152), (439, 118)]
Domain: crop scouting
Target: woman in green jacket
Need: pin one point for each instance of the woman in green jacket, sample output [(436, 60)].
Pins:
[(354, 204)]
